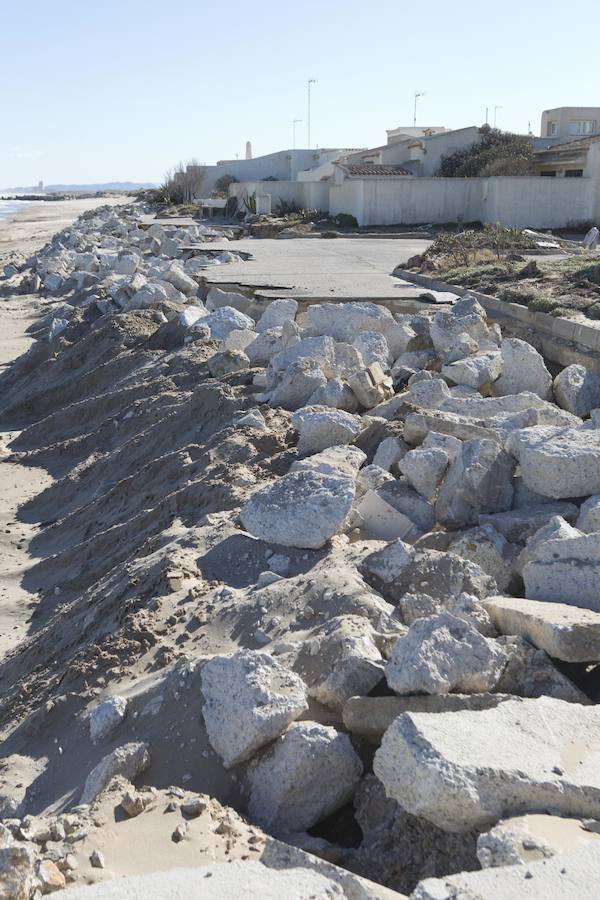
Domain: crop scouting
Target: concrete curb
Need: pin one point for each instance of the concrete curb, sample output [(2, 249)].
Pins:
[(561, 340)]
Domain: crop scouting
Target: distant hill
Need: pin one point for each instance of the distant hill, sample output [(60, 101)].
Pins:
[(87, 188)]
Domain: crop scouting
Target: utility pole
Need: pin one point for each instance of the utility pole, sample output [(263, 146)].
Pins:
[(296, 121), (496, 108), (309, 82), (417, 95)]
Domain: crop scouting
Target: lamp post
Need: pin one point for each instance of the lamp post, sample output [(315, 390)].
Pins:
[(296, 121), (309, 82), (417, 95), (496, 108)]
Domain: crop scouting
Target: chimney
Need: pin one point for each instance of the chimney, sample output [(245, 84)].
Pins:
[(248, 150)]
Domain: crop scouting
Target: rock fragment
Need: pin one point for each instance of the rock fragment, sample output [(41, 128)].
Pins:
[(440, 654), (288, 790), (460, 771), (577, 390), (565, 632), (128, 760), (249, 699), (302, 509)]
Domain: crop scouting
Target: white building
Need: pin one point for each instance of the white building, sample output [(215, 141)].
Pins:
[(567, 123)]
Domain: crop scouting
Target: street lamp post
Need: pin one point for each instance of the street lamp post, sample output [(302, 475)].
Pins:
[(296, 121), (417, 95), (309, 82)]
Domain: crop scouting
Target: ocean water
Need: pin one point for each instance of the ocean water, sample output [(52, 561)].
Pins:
[(10, 207)]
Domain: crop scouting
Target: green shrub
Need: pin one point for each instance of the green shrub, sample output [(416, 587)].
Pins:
[(594, 311), (345, 220), (543, 304)]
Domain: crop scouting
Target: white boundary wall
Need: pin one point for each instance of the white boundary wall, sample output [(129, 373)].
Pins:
[(528, 201), (525, 201)]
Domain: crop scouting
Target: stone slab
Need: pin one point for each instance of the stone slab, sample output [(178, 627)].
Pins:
[(570, 633)]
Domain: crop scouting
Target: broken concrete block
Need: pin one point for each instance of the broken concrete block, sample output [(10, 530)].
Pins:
[(335, 394), (478, 481), (341, 460), (178, 278), (558, 462), (530, 672), (340, 659), (490, 550), (475, 371), (589, 515), (344, 321), (570, 874), (377, 518), (264, 346), (401, 496), (524, 839), (441, 654), (467, 317), (319, 349), (429, 393), (287, 789), (226, 319), (424, 469), (320, 427), (302, 509), (370, 479), (464, 770), (149, 295), (564, 570), (399, 569), (371, 386), (518, 525), (227, 361), (239, 339), (565, 632), (390, 451), (128, 760), (297, 384), (276, 313), (523, 369), (370, 717), (250, 699), (577, 390), (373, 347), (106, 716), (217, 298)]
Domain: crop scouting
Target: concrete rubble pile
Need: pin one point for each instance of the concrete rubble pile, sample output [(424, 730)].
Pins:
[(332, 567)]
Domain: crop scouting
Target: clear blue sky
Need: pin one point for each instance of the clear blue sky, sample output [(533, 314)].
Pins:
[(99, 90)]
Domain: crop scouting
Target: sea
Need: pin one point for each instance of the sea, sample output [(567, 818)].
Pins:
[(10, 207)]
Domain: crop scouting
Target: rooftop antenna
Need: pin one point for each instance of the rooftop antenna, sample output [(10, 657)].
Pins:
[(417, 95), (309, 82)]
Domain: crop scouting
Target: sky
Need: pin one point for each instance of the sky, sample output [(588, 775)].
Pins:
[(115, 90)]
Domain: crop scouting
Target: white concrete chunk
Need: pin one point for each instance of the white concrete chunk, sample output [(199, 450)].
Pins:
[(440, 654), (250, 699), (464, 770), (302, 509), (310, 773)]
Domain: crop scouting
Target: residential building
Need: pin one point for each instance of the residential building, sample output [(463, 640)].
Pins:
[(568, 123)]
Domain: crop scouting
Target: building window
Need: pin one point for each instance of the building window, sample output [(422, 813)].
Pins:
[(552, 129), (583, 126), (551, 173), (573, 173)]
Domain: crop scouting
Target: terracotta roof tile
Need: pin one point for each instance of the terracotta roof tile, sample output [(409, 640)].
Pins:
[(376, 170)]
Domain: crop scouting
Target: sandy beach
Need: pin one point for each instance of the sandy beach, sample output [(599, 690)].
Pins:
[(25, 232)]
